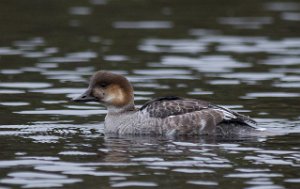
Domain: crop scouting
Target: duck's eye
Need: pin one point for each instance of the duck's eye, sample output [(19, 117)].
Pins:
[(103, 84)]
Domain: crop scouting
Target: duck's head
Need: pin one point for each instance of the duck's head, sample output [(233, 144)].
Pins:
[(110, 89)]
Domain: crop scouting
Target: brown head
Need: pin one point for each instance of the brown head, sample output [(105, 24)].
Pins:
[(111, 89)]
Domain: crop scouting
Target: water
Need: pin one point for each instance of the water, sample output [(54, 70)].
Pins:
[(244, 55)]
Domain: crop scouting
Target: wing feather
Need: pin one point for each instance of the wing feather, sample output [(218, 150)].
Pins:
[(171, 106), (231, 116)]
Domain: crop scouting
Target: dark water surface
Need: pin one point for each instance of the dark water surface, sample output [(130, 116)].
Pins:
[(243, 54)]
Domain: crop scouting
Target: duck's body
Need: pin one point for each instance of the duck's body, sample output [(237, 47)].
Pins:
[(162, 116)]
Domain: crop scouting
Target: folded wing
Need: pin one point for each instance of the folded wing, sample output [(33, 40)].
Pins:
[(193, 116)]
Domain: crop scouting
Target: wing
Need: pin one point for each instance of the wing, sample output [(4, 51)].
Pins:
[(234, 117), (171, 106), (176, 107)]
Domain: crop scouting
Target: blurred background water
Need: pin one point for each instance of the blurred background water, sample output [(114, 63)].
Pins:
[(244, 55)]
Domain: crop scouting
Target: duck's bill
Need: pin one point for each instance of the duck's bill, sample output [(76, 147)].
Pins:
[(85, 97)]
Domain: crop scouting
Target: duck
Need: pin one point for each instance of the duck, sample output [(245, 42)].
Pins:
[(165, 116)]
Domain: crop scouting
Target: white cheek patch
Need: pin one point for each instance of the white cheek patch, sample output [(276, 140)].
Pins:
[(110, 97), (114, 96)]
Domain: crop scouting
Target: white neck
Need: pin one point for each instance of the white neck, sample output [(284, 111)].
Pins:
[(118, 110)]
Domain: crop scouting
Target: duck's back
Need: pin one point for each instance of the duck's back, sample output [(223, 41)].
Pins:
[(181, 116)]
